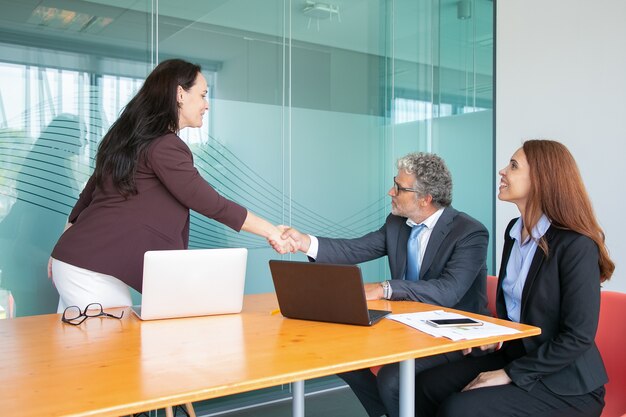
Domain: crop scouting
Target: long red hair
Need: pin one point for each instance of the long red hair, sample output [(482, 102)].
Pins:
[(557, 190)]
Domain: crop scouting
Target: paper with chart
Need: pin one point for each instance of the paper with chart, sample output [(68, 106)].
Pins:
[(418, 321)]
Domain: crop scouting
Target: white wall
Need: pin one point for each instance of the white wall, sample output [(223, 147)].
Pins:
[(561, 74)]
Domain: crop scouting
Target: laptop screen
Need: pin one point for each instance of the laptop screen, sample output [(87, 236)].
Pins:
[(322, 292), (199, 282)]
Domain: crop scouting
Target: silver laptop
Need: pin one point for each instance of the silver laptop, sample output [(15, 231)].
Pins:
[(196, 282)]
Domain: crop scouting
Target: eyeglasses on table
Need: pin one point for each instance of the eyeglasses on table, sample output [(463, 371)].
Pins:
[(75, 316)]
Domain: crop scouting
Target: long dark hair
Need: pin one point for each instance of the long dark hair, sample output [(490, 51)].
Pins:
[(152, 113), (557, 190)]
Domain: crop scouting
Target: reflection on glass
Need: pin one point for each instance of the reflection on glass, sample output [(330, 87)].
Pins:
[(298, 99), (53, 112), (45, 187)]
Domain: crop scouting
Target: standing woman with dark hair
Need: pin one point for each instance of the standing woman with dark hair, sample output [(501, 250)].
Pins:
[(140, 194), (553, 262)]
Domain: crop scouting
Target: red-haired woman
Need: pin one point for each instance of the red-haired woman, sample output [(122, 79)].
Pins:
[(553, 262)]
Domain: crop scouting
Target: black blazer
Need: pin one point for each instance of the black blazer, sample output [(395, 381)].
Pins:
[(453, 272), (562, 297)]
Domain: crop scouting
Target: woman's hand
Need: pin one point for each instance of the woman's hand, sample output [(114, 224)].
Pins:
[(488, 379), (280, 245), (485, 348), (302, 240)]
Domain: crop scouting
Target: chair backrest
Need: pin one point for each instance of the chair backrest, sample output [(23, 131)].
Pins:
[(492, 289), (611, 339)]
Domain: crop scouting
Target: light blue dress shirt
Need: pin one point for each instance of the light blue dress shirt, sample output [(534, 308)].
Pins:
[(521, 257), (424, 236)]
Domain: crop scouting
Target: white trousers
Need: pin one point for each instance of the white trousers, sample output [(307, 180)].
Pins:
[(79, 287)]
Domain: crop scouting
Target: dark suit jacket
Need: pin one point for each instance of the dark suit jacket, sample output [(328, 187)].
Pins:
[(562, 296), (111, 233), (452, 274)]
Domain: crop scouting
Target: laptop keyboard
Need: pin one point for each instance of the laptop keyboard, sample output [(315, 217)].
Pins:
[(376, 315)]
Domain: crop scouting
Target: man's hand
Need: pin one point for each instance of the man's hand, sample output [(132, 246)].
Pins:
[(489, 379), (301, 241), (281, 245), (373, 291)]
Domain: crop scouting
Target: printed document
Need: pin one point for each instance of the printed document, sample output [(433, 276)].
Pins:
[(418, 321)]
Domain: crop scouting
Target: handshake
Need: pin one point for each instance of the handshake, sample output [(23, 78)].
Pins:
[(288, 240)]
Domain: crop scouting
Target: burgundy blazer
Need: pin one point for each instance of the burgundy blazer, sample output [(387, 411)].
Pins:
[(110, 233)]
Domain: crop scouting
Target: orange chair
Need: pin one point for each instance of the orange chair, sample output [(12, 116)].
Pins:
[(492, 289), (611, 339)]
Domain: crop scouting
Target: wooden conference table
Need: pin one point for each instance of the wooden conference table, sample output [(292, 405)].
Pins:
[(109, 367)]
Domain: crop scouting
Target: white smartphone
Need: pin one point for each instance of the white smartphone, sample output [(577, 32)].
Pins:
[(465, 321)]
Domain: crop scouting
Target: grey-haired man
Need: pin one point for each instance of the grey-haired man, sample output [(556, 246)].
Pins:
[(436, 254)]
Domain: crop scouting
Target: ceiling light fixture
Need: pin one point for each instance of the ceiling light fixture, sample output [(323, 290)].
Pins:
[(464, 9), (320, 11), (68, 20)]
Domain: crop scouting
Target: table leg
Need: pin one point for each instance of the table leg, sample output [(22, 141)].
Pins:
[(407, 388), (298, 398), (190, 410)]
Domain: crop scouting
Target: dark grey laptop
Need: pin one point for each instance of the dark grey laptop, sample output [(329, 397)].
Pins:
[(322, 292)]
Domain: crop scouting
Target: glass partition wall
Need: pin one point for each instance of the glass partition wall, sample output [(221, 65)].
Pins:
[(311, 103)]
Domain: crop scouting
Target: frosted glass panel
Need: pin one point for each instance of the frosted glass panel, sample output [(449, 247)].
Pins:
[(471, 163), (337, 124), (62, 83), (308, 113), (443, 95)]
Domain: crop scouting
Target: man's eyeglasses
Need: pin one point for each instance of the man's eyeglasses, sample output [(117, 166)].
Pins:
[(73, 315), (397, 188)]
